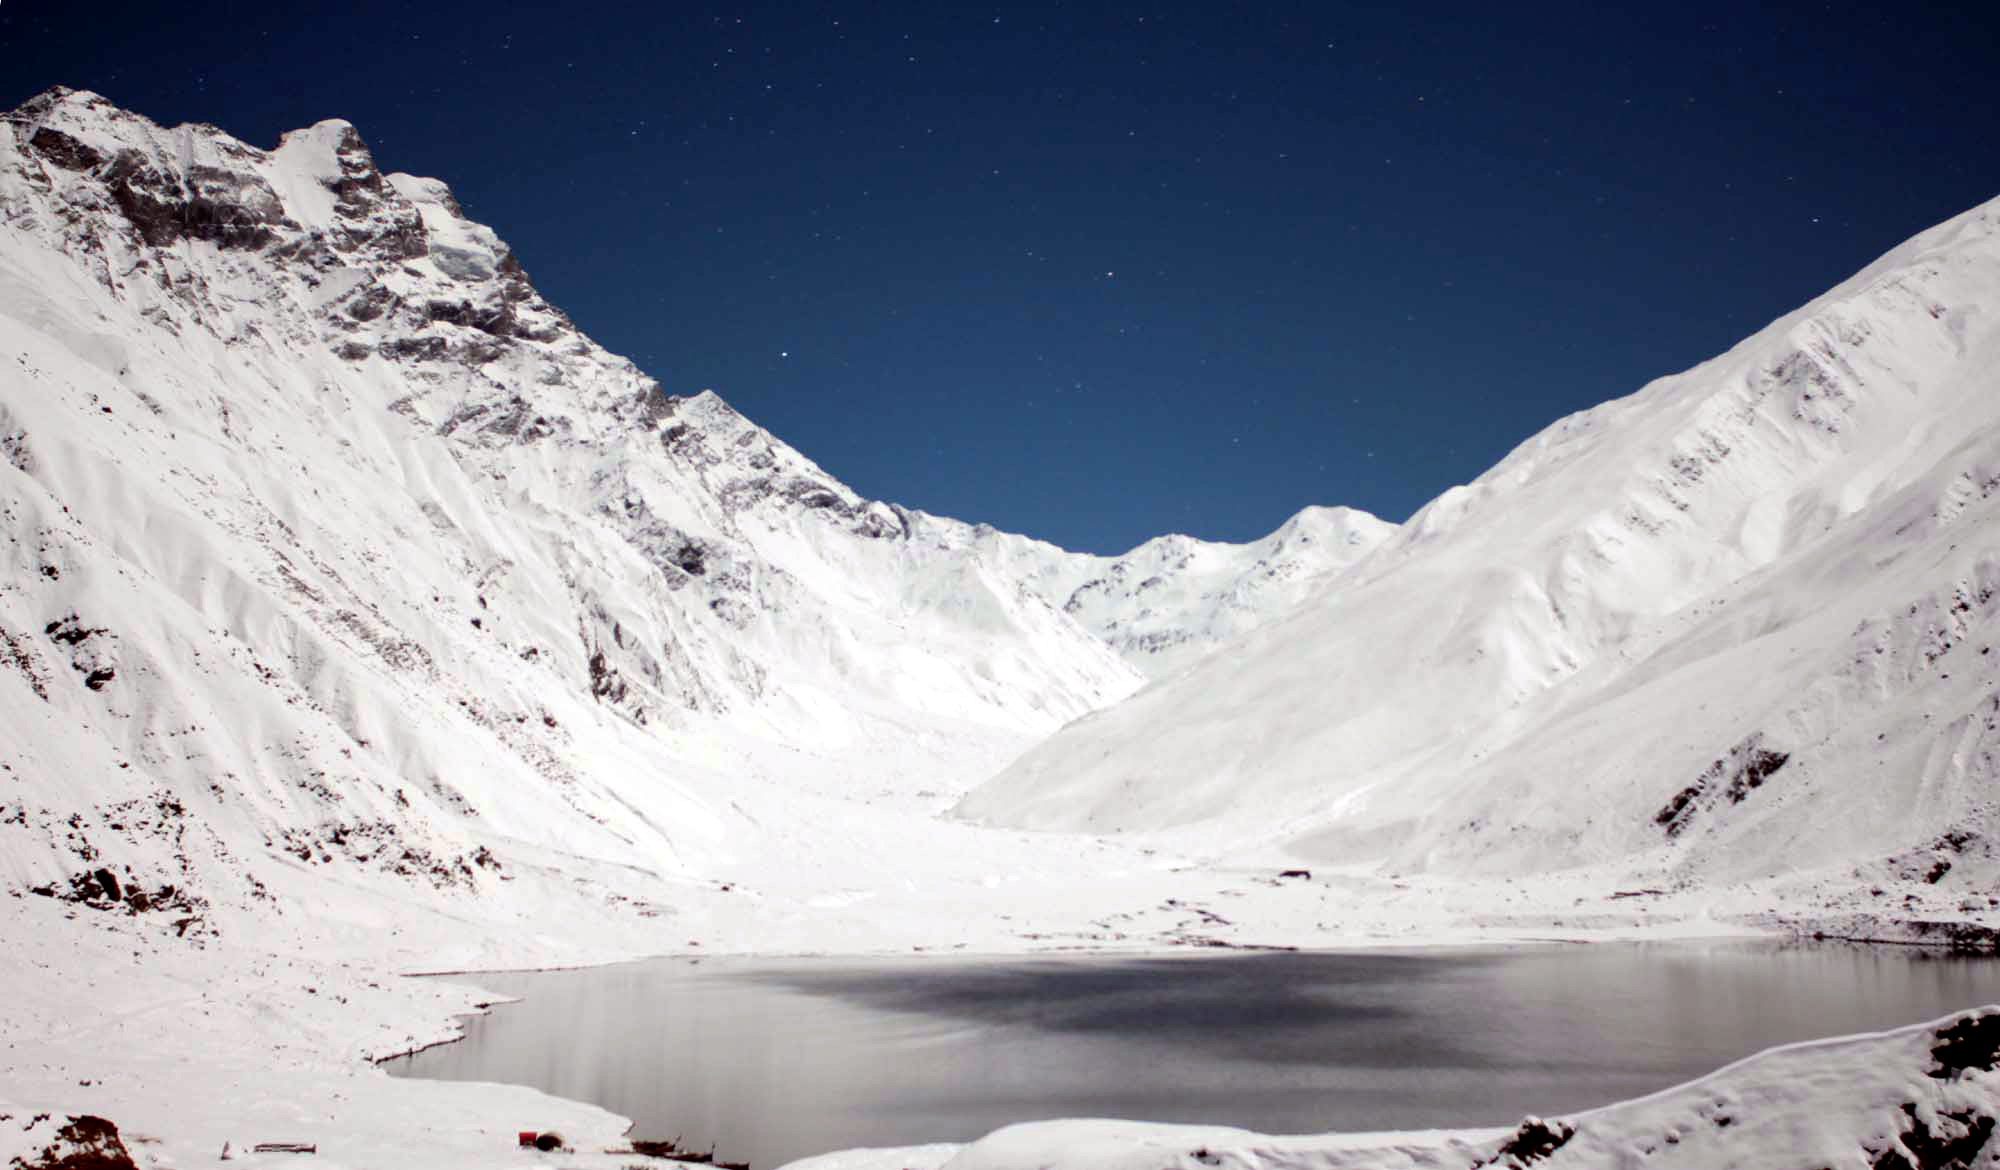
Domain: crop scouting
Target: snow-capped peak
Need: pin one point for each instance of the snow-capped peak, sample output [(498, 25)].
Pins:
[(299, 458)]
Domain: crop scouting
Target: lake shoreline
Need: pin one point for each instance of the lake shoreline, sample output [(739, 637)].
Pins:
[(904, 983)]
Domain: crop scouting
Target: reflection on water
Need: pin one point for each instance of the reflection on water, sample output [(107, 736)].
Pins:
[(773, 1060)]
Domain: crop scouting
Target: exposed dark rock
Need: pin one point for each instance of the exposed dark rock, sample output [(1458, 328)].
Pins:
[(1753, 773), (101, 889), (370, 303), (653, 406), (1957, 1141), (381, 844), (515, 419), (1956, 840), (812, 495), (230, 209), (427, 349), (375, 220), (15, 652), (1733, 777), (86, 1143), (1966, 937), (70, 631), (1534, 1140), (1972, 1042), (63, 151), (15, 450), (1674, 815), (875, 526), (498, 322), (604, 680), (359, 187)]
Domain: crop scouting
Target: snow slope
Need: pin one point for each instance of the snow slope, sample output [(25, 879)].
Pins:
[(1736, 625), (330, 543)]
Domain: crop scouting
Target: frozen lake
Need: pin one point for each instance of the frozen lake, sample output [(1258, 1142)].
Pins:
[(775, 1059)]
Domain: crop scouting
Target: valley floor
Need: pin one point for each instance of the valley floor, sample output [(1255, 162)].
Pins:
[(264, 1030)]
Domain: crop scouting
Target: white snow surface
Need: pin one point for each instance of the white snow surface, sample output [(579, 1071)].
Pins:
[(360, 616)]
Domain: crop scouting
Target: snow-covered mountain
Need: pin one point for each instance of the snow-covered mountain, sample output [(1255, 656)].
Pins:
[(331, 541), (359, 614), (1737, 624), (1174, 599)]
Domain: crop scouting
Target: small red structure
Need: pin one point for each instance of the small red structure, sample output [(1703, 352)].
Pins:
[(527, 1138)]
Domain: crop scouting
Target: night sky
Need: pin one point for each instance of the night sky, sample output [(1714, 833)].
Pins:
[(1096, 272)]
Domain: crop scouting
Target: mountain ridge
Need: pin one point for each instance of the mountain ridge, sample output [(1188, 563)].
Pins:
[(1578, 611), (311, 435)]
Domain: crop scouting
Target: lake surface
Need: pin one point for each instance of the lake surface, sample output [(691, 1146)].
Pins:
[(774, 1060)]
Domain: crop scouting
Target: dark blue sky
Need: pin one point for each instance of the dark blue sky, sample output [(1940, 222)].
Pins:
[(1100, 271)]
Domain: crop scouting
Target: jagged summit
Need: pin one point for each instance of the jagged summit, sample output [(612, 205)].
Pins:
[(398, 272)]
